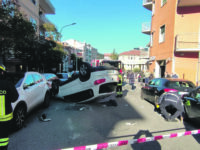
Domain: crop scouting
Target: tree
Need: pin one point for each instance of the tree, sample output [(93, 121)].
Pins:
[(50, 31), (17, 35), (114, 55)]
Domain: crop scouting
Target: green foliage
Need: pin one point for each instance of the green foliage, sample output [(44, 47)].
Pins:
[(100, 56), (51, 31), (136, 70), (114, 55), (18, 37)]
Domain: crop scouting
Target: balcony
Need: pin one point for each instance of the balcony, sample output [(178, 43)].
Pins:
[(147, 4), (189, 42), (186, 3), (43, 19), (146, 28), (47, 7)]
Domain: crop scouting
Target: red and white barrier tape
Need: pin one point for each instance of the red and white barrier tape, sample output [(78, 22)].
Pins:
[(133, 141)]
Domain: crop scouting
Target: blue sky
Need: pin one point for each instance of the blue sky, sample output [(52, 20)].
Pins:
[(105, 24)]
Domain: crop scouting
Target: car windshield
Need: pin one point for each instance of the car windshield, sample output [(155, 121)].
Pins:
[(49, 76), (181, 84)]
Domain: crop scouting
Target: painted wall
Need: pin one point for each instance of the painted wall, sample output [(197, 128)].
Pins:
[(187, 25), (164, 15)]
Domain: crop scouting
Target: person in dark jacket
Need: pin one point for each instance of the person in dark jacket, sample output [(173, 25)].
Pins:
[(171, 100), (8, 94)]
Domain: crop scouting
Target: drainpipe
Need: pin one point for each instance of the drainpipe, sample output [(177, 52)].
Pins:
[(198, 70)]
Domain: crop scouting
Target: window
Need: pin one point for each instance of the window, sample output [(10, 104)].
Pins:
[(153, 8), (162, 34), (37, 78), (33, 1), (163, 2), (151, 40), (157, 83), (29, 81)]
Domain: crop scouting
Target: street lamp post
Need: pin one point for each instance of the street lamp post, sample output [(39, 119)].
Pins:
[(61, 35), (64, 27)]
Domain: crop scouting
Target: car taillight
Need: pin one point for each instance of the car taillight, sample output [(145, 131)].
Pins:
[(170, 90), (99, 81)]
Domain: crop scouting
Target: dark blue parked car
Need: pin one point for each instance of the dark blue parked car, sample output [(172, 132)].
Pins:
[(158, 86)]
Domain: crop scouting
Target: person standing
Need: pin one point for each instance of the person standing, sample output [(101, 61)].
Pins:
[(172, 100), (8, 94), (131, 79), (119, 86)]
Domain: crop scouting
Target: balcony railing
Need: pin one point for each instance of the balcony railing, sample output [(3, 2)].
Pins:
[(43, 19), (188, 42), (147, 4), (146, 28), (184, 3), (47, 7)]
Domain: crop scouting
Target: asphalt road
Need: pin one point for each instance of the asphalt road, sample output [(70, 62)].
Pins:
[(85, 124)]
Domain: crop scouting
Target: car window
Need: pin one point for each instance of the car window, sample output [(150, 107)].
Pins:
[(197, 94), (37, 78), (152, 82), (174, 84), (186, 84), (65, 76), (157, 82), (18, 84), (29, 81)]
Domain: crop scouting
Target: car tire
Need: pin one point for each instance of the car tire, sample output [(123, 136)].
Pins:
[(19, 116), (84, 71), (55, 88), (46, 102)]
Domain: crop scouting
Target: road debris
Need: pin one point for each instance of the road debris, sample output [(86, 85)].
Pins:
[(44, 118)]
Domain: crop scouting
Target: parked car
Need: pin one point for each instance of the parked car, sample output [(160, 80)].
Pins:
[(90, 83), (53, 82), (63, 76), (33, 91), (192, 103), (158, 86)]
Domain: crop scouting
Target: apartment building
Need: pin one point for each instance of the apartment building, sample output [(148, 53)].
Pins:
[(34, 11), (175, 37), (134, 59), (82, 50)]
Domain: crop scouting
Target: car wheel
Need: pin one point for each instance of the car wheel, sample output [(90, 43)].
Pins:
[(46, 100), (55, 88), (84, 71), (19, 116)]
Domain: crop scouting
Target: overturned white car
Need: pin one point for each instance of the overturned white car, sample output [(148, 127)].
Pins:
[(89, 84)]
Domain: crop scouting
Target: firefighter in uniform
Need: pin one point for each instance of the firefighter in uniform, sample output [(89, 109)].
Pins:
[(119, 85), (8, 94), (173, 100)]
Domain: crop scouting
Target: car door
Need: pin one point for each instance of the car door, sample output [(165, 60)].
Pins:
[(148, 90), (192, 104), (153, 89), (29, 90), (40, 88)]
